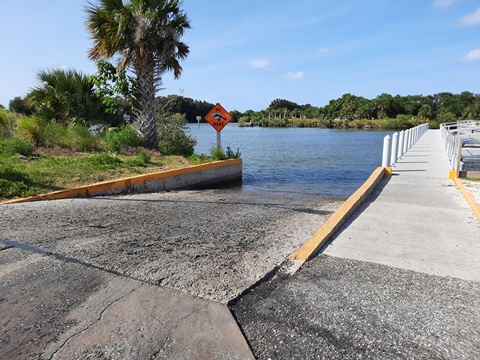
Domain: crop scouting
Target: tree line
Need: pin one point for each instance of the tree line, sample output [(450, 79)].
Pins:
[(440, 108)]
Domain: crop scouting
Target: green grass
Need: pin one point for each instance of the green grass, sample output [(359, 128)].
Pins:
[(20, 178)]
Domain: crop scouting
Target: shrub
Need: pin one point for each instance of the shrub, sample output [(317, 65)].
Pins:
[(7, 123), (218, 153), (12, 146), (173, 137), (125, 136), (32, 129), (3, 120), (81, 139)]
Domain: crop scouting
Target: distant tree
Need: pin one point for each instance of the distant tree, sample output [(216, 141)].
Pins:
[(472, 111), (283, 104), (20, 106), (146, 36), (384, 106), (176, 104), (235, 115), (445, 116), (425, 112)]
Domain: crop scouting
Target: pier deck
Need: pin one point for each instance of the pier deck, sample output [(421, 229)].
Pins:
[(415, 219)]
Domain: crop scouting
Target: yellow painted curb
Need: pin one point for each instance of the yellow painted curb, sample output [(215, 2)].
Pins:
[(469, 197), (334, 222), (104, 186)]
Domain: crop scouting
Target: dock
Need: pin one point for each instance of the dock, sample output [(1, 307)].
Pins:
[(416, 219)]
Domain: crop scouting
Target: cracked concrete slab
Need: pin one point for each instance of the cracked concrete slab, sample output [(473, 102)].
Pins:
[(52, 309)]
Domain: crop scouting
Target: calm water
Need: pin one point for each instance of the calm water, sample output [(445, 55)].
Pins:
[(325, 162)]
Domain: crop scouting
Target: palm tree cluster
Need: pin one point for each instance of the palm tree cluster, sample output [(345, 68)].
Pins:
[(65, 97), (145, 36)]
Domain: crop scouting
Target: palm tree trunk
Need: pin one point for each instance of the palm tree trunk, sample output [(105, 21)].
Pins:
[(146, 122)]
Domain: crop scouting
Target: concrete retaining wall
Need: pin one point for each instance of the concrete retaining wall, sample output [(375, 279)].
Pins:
[(216, 173)]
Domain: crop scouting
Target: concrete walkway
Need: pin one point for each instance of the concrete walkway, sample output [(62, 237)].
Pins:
[(415, 219)]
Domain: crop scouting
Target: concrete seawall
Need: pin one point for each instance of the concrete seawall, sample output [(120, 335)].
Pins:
[(215, 173)]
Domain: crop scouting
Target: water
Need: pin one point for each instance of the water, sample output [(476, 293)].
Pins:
[(322, 162)]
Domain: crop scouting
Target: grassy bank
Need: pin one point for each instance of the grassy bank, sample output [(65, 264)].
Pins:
[(55, 169)]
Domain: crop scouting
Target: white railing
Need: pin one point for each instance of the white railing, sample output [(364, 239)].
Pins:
[(394, 147), (457, 135)]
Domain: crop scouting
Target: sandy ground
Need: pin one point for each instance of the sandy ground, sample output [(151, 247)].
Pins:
[(211, 244), (474, 188)]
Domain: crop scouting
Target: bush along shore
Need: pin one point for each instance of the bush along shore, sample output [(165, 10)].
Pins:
[(400, 123)]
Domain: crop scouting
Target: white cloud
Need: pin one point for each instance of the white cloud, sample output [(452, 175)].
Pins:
[(294, 75), (471, 19), (259, 63), (443, 3), (323, 51), (473, 55)]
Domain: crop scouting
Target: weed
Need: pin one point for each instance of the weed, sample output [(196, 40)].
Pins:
[(196, 159), (218, 153), (142, 159), (103, 160), (231, 155), (12, 146)]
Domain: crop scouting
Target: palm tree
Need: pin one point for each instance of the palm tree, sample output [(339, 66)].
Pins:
[(65, 96), (146, 35)]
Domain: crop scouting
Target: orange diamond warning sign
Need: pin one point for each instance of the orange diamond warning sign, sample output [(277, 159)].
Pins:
[(218, 117)]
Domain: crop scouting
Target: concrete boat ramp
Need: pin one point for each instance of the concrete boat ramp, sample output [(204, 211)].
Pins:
[(400, 280)]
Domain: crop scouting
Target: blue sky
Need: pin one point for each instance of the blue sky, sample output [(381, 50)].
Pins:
[(244, 54)]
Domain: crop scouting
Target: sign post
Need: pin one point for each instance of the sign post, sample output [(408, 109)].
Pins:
[(218, 117)]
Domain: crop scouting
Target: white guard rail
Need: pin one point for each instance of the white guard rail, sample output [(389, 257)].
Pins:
[(457, 135), (394, 147)]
